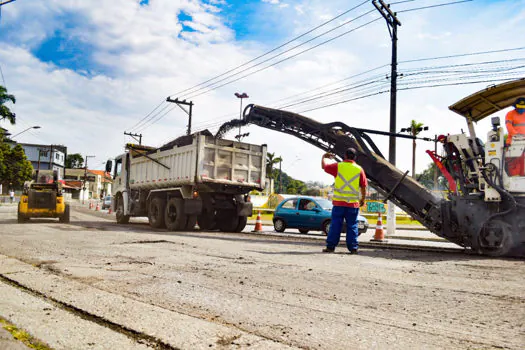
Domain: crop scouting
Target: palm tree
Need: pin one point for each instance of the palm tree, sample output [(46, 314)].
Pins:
[(415, 129), (5, 113), (270, 161)]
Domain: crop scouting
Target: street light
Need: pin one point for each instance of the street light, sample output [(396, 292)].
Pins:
[(241, 96), (31, 127)]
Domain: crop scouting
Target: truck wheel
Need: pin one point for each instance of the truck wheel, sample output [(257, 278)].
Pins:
[(227, 221), (175, 219), (192, 221), (119, 213), (242, 223), (157, 208), (207, 221), (65, 217)]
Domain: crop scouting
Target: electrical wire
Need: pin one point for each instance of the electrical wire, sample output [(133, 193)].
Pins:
[(432, 6), (275, 49)]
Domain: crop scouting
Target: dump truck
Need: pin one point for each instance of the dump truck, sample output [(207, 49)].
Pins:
[(484, 210), (43, 200), (194, 178)]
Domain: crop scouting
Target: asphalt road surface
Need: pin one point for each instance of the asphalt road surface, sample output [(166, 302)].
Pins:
[(93, 284)]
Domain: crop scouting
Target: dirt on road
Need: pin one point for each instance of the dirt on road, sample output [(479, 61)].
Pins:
[(202, 290)]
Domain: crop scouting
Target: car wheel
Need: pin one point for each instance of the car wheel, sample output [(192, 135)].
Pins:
[(326, 227), (303, 231), (279, 225)]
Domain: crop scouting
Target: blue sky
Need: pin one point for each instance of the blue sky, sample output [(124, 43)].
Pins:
[(88, 70)]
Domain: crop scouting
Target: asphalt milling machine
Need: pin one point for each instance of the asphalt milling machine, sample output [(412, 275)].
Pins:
[(484, 210)]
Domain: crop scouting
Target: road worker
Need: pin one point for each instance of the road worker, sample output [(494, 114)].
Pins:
[(349, 195), (515, 120)]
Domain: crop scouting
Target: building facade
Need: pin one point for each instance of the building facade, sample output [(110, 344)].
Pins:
[(46, 157)]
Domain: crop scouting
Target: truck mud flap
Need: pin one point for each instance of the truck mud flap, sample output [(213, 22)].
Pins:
[(244, 209), (192, 206)]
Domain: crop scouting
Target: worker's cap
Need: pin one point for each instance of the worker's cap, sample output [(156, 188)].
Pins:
[(441, 138), (520, 102)]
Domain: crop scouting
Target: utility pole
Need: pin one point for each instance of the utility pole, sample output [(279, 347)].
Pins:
[(392, 24), (135, 136), (280, 177), (85, 177), (189, 113)]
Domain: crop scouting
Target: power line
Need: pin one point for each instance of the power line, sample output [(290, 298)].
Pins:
[(271, 58), (432, 6), (275, 49)]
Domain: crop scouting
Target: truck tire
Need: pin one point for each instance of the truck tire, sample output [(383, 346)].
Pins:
[(192, 221), (65, 217), (207, 220), (174, 218), (243, 220), (119, 213), (156, 212), (227, 221)]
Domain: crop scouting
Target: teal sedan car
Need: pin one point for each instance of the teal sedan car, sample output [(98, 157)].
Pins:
[(308, 214)]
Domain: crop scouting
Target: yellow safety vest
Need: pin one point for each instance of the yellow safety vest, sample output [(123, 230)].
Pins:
[(346, 187)]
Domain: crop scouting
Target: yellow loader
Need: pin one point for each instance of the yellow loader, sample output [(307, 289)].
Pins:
[(42, 200)]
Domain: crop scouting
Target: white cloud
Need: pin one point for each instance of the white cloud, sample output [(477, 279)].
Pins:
[(149, 57)]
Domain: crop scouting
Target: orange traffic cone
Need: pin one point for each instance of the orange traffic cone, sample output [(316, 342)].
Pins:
[(90, 205), (109, 210), (258, 223), (97, 207), (379, 235)]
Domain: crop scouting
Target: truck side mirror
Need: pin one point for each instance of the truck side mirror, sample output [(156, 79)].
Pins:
[(109, 165)]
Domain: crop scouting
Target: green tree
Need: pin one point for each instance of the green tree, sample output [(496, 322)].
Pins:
[(271, 160), (5, 113), (15, 169), (74, 160)]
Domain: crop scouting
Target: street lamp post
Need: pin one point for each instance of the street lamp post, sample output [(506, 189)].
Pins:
[(241, 96), (31, 127)]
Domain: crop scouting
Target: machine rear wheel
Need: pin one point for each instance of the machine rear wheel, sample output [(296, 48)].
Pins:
[(495, 238), (21, 217), (65, 217)]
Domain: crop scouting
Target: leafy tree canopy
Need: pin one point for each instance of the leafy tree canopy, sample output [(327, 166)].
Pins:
[(5, 112), (15, 169), (74, 160)]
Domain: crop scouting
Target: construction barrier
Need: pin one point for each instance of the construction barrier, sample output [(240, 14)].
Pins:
[(258, 223), (379, 235)]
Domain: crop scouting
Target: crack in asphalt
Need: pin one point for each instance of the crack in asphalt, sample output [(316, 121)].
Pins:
[(137, 336)]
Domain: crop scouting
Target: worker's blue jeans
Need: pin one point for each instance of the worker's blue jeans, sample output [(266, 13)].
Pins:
[(334, 234)]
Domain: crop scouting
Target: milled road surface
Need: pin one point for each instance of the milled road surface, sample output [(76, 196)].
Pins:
[(92, 284)]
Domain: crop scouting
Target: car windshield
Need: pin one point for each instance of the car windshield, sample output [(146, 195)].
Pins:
[(324, 203)]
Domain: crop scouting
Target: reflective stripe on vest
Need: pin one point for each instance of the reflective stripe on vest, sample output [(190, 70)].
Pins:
[(346, 188)]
